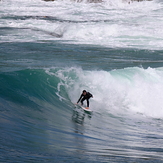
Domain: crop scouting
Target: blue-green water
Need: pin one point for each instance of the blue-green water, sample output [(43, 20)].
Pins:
[(51, 51)]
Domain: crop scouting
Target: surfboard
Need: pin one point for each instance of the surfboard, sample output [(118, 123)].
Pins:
[(84, 108), (87, 110)]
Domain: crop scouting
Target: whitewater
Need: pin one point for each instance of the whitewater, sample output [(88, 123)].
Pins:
[(111, 23), (51, 51)]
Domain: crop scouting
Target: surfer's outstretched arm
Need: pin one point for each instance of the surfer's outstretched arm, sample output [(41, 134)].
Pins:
[(79, 99)]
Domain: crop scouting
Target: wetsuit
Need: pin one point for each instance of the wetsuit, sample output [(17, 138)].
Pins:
[(85, 97)]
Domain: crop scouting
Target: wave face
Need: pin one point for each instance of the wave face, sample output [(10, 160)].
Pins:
[(38, 117)]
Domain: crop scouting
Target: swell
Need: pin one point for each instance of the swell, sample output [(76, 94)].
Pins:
[(20, 86), (28, 96)]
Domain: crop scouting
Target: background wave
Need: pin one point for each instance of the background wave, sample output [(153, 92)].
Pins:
[(108, 24)]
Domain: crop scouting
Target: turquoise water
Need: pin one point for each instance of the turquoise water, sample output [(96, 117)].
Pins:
[(51, 51)]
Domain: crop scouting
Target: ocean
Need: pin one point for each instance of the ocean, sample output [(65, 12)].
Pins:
[(51, 51)]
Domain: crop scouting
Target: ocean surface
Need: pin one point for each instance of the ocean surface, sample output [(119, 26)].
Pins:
[(51, 51)]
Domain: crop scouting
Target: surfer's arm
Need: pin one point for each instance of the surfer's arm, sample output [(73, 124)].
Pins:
[(79, 98), (90, 95)]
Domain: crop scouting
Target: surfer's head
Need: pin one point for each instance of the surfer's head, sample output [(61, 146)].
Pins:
[(84, 92)]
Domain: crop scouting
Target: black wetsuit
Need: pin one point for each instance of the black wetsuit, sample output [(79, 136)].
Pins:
[(85, 97)]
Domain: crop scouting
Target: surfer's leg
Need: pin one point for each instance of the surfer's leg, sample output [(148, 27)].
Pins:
[(87, 102), (82, 101)]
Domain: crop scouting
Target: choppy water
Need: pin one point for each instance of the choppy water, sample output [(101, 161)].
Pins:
[(51, 51)]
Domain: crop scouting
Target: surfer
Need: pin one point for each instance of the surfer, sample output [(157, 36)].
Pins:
[(85, 96)]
